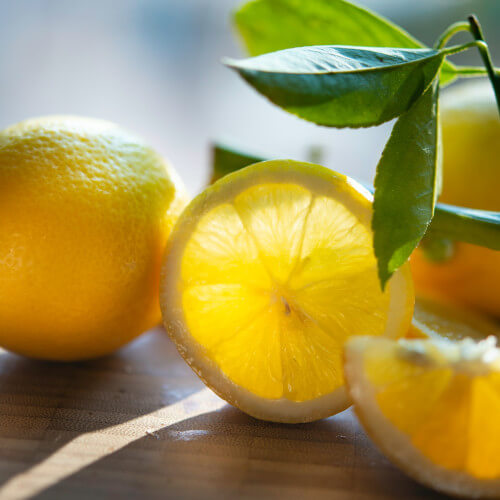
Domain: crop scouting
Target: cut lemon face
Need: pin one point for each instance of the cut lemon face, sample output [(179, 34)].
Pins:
[(435, 318), (267, 273), (433, 407)]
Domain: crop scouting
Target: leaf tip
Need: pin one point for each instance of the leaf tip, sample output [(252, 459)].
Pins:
[(230, 62), (384, 275)]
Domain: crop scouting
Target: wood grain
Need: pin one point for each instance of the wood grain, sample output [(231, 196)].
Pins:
[(140, 424)]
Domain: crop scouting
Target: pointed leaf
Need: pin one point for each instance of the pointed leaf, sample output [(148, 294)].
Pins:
[(271, 25), (405, 184), (340, 86)]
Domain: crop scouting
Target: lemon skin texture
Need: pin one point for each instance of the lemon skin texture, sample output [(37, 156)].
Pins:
[(85, 212), (471, 178)]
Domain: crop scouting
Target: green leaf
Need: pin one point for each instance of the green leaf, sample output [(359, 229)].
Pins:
[(340, 86), (405, 184), (271, 25), (226, 160)]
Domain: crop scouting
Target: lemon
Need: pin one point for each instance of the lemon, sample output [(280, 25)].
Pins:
[(433, 407), (266, 274), (85, 211), (471, 176), (436, 318)]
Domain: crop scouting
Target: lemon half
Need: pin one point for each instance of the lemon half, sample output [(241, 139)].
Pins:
[(433, 407), (266, 274)]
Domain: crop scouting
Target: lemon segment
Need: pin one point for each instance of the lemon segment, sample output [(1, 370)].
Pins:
[(433, 406), (274, 268), (274, 216), (222, 243)]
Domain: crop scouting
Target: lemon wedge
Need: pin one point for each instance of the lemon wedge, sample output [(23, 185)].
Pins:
[(433, 407), (267, 273)]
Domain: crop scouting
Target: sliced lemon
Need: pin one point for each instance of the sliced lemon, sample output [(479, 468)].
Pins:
[(433, 407), (436, 318), (266, 274)]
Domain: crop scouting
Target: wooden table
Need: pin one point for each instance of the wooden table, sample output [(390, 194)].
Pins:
[(139, 424)]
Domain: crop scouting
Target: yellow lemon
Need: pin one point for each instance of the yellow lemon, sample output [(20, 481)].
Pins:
[(471, 178), (267, 273), (85, 211), (433, 407)]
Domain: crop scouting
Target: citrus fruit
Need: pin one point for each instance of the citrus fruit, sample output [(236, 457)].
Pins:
[(433, 407), (266, 274), (471, 178), (85, 211), (436, 318)]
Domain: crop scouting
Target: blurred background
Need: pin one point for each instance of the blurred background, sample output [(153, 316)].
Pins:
[(154, 67)]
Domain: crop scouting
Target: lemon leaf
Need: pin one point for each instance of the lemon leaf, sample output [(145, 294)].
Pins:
[(271, 25), (405, 184), (340, 86), (226, 160)]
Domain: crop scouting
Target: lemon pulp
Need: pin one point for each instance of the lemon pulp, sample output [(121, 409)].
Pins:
[(274, 276)]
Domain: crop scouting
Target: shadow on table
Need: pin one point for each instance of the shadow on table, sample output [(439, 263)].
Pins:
[(46, 406), (226, 454)]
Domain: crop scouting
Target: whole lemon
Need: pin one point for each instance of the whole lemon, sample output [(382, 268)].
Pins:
[(85, 212), (471, 178)]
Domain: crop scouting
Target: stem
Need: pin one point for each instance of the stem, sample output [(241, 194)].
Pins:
[(471, 71), (478, 227), (452, 30), (486, 56), (455, 49)]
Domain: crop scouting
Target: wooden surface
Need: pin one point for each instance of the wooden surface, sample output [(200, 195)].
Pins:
[(140, 424)]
